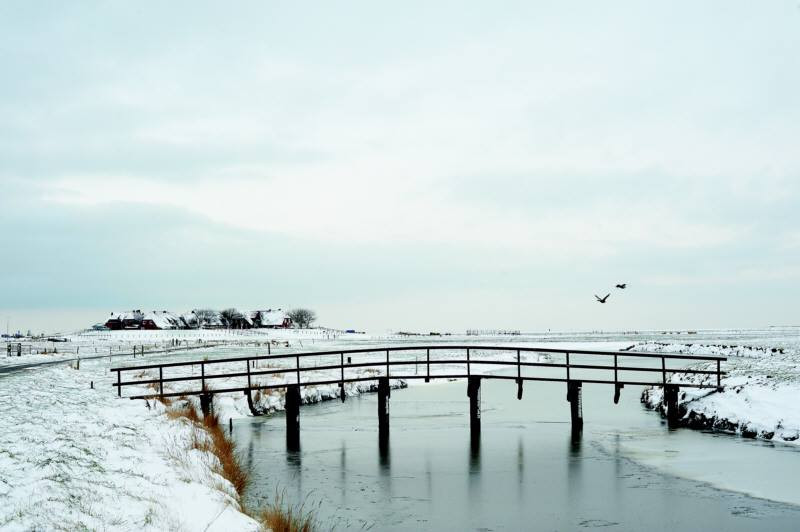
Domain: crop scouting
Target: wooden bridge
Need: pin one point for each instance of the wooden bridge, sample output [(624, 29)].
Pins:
[(384, 363)]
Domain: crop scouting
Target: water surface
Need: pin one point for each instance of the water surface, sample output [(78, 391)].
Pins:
[(527, 472)]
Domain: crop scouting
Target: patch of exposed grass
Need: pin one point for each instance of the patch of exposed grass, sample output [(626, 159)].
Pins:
[(210, 436), (218, 443), (281, 517)]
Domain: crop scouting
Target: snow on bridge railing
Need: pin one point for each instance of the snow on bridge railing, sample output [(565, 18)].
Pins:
[(347, 371)]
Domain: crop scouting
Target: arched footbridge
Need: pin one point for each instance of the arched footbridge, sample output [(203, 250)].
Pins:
[(290, 371)]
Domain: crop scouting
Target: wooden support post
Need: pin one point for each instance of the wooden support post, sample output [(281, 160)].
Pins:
[(119, 383), (617, 388), (671, 401), (206, 404), (293, 417), (474, 393), (575, 405), (519, 377), (384, 392)]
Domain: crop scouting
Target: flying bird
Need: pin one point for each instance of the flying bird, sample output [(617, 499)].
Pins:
[(622, 286), (601, 300)]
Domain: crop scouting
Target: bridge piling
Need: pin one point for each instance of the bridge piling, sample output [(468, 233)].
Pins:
[(671, 400), (206, 404), (574, 389), (474, 393), (293, 417), (384, 392), (617, 388)]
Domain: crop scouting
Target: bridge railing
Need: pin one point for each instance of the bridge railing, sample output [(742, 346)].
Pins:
[(338, 367)]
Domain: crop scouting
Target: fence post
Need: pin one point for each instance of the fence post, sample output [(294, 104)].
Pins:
[(719, 376), (161, 381), (119, 383), (519, 377)]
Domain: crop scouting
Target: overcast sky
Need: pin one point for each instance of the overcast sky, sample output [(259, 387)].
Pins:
[(406, 166)]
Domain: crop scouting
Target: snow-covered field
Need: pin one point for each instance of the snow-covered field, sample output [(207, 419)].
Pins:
[(759, 396), (77, 457)]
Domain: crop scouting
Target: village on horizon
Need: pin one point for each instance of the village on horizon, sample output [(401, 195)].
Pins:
[(197, 319)]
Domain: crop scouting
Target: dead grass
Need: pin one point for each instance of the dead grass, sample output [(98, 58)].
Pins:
[(166, 401), (211, 437), (280, 517), (218, 443)]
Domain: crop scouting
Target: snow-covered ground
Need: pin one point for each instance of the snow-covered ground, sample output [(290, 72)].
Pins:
[(72, 458), (75, 457), (759, 396)]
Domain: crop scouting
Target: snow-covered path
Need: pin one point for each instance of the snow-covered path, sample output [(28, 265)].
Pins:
[(72, 457)]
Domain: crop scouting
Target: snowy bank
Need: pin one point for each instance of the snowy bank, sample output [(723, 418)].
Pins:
[(73, 457), (758, 398)]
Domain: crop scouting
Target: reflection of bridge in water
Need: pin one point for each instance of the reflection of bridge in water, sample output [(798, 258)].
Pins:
[(385, 363)]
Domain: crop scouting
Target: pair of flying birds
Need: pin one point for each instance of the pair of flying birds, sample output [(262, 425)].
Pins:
[(621, 286)]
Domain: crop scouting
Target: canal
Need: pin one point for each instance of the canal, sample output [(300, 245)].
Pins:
[(627, 471)]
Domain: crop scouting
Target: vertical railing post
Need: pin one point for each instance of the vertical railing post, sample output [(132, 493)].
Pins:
[(119, 383), (567, 367), (248, 373), (161, 380), (341, 381), (719, 375), (663, 371), (519, 377), (297, 368), (468, 368), (387, 363), (428, 364), (202, 376)]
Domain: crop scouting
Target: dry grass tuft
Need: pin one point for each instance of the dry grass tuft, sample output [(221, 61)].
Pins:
[(218, 443), (210, 436), (285, 518)]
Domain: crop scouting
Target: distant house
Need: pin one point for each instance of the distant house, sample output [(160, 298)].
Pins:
[(190, 320), (272, 319), (241, 320), (208, 319), (162, 320), (125, 320)]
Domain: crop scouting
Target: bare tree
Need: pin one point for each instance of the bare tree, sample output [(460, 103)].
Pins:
[(204, 316), (229, 316), (302, 317)]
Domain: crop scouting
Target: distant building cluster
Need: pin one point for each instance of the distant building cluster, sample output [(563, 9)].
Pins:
[(199, 319)]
